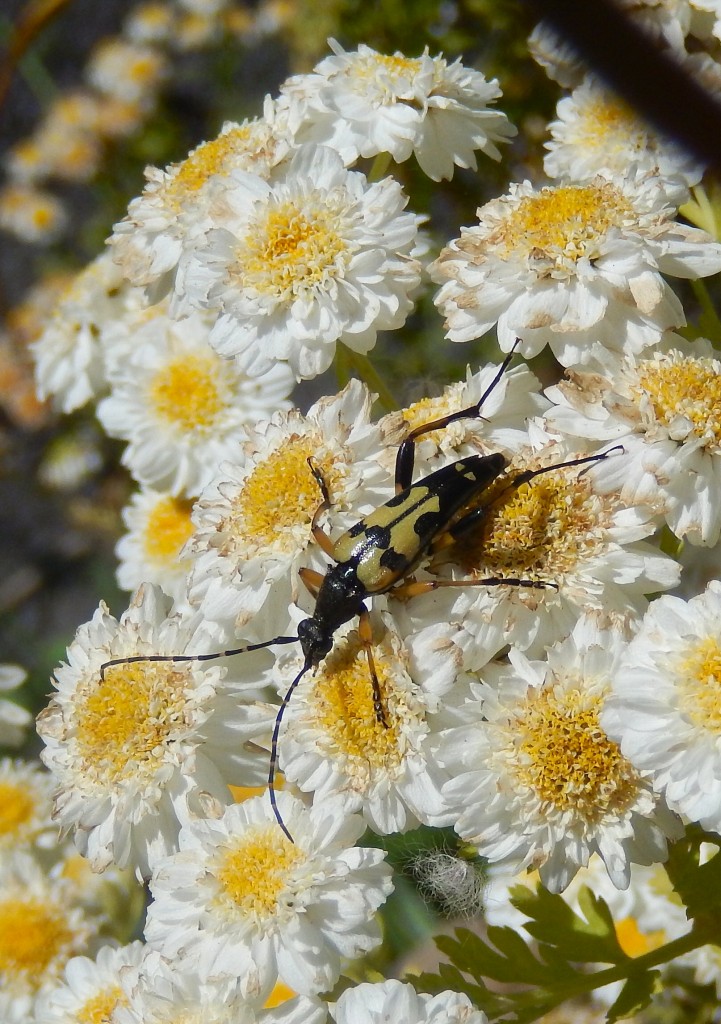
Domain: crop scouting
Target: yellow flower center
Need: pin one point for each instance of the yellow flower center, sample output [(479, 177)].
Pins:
[(187, 393), (33, 934), (255, 873), (17, 807), (280, 495), (565, 223), (537, 531), (292, 250), (99, 1009), (167, 529), (208, 160), (343, 703), (685, 387), (699, 673), (567, 758), (633, 941), (126, 721)]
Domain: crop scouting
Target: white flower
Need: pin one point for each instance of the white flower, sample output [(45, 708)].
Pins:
[(364, 103), (14, 719), (181, 407), (537, 781), (171, 991), (159, 525), (663, 408), (583, 548), (333, 745), (142, 747), (239, 898), (70, 353), (253, 522), (173, 209), (126, 71), (574, 266), (25, 807), (394, 1001), (41, 926), (92, 990), (597, 133), (31, 214), (665, 710), (298, 264)]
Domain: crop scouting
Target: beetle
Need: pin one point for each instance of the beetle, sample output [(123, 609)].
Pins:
[(378, 554)]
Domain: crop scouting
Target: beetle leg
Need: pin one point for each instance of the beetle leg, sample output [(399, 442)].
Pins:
[(365, 632)]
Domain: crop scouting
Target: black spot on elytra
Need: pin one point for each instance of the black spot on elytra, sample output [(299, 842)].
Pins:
[(391, 559), (426, 524), (379, 536)]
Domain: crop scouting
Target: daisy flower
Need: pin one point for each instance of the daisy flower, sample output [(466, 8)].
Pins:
[(665, 710), (14, 719), (333, 745), (25, 807), (182, 408), (41, 927), (173, 207), (159, 525), (71, 351), (169, 991), (241, 899), (536, 780), (296, 264), (595, 132), (662, 407), (395, 1001), (91, 990), (574, 266), (252, 523), (31, 214), (140, 747), (363, 103), (126, 70), (583, 548)]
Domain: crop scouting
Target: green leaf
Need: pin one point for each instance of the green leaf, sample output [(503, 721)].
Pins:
[(698, 885), (635, 995), (591, 938)]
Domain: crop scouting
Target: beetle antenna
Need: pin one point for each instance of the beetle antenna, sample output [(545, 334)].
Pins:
[(138, 658), (274, 746)]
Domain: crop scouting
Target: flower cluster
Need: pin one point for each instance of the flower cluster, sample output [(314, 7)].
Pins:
[(319, 598)]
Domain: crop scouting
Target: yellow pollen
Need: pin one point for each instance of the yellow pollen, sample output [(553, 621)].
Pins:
[(126, 720), (281, 994), (428, 409), (42, 217), (32, 935), (292, 250), (699, 674), (208, 160), (167, 529), (538, 530), (343, 704), (685, 387), (17, 807), (606, 120), (568, 760), (566, 222), (99, 1009), (394, 66), (186, 393), (254, 874), (280, 494), (633, 941)]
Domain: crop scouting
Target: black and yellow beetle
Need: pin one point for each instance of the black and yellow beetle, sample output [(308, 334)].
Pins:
[(379, 552)]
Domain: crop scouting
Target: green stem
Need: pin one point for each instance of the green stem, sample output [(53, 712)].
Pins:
[(350, 363), (709, 316), (696, 938)]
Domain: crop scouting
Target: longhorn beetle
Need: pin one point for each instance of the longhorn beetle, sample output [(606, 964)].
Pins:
[(378, 553)]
